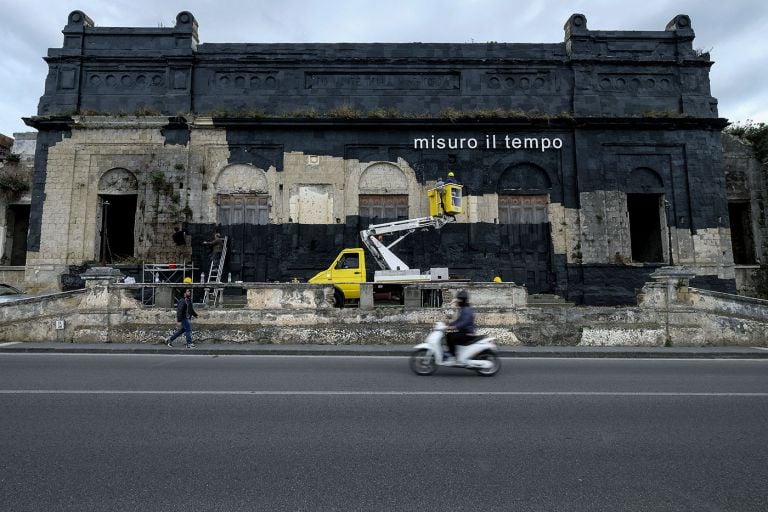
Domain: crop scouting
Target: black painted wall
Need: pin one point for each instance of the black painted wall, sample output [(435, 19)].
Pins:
[(166, 70), (618, 100), (45, 140)]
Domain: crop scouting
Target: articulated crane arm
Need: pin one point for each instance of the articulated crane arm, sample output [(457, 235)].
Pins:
[(385, 258)]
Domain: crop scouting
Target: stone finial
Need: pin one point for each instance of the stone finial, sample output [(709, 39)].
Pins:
[(679, 22), (185, 20), (576, 24), (187, 24), (79, 18)]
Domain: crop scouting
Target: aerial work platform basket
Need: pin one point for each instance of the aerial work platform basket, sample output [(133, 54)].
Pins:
[(445, 200)]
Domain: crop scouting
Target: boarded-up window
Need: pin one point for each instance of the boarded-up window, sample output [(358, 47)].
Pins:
[(312, 204), (378, 208), (243, 209)]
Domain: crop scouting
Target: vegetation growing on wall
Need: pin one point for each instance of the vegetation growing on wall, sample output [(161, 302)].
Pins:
[(346, 111), (664, 114), (13, 184), (756, 133), (160, 183), (12, 180)]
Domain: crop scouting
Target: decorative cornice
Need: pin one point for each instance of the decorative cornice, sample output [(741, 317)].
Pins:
[(205, 121)]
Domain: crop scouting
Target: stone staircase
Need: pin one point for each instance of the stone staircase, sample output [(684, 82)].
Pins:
[(539, 300), (234, 301)]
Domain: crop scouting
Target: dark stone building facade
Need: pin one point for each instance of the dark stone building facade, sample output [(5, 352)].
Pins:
[(746, 182), (587, 164)]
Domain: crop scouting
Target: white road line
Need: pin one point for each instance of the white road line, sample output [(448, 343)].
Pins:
[(9, 343), (744, 358), (761, 348), (376, 393)]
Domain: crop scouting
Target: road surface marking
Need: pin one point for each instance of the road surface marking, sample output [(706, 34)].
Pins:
[(510, 357), (9, 343), (374, 393)]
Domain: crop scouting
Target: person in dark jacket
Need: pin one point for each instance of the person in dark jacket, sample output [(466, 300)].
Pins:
[(464, 325), (179, 236), (216, 246), (184, 314)]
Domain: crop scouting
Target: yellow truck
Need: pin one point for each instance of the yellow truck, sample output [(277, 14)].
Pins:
[(347, 271)]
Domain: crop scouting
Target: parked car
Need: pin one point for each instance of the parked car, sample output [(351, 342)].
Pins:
[(9, 293)]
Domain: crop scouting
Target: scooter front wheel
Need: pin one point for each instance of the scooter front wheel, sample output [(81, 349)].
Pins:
[(491, 358), (423, 362)]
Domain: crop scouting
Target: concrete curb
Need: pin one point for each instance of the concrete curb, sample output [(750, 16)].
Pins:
[(389, 350)]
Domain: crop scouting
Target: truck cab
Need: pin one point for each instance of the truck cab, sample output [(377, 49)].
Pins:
[(345, 273)]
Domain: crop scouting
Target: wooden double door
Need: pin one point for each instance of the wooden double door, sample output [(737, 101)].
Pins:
[(244, 218), (526, 238)]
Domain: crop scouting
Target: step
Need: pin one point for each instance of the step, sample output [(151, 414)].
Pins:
[(545, 297), (548, 300)]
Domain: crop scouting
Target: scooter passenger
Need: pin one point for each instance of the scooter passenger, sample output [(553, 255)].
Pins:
[(464, 325)]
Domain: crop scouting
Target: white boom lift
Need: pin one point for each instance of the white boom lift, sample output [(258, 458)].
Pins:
[(348, 271), (392, 267)]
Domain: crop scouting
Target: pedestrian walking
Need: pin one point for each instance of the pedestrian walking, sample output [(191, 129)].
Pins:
[(184, 314)]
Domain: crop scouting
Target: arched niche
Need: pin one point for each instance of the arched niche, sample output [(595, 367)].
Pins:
[(383, 178), (242, 179), (118, 181), (524, 178), (644, 180)]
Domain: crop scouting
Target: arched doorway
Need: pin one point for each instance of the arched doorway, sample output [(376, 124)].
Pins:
[(116, 216), (243, 205), (383, 194), (383, 197), (647, 216), (523, 193)]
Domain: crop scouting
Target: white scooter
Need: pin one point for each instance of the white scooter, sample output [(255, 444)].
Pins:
[(481, 356)]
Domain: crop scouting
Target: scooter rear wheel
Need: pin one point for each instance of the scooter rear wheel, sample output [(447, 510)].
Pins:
[(422, 362), (491, 358)]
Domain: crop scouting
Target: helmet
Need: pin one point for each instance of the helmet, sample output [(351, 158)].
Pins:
[(463, 296), (450, 173), (187, 280), (497, 279)]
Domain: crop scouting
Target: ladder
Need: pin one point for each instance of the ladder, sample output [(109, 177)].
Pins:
[(214, 276)]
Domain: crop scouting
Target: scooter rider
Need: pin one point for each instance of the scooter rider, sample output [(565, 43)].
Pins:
[(464, 325)]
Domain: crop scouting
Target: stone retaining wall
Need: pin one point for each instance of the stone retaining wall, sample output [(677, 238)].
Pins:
[(13, 276), (669, 312)]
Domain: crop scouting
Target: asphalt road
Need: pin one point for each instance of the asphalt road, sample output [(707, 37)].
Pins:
[(230, 433)]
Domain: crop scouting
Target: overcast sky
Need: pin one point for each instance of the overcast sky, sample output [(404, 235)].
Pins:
[(734, 32)]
